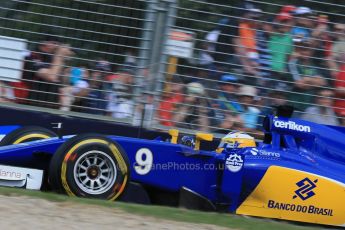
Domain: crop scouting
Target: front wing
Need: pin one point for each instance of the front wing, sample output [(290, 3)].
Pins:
[(19, 177)]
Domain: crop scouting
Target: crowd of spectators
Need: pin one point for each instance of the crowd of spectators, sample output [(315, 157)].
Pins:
[(250, 63), (260, 61)]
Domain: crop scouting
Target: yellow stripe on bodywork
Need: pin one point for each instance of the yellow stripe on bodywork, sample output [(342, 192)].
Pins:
[(275, 197), (34, 135)]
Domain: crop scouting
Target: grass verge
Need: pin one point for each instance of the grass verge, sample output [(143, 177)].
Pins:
[(175, 214)]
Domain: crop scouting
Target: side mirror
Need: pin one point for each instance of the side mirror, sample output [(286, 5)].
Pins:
[(202, 137)]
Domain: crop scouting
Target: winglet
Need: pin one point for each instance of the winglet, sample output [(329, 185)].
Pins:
[(174, 135)]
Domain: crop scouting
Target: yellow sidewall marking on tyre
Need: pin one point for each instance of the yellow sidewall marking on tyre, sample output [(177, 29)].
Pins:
[(34, 135), (121, 189), (114, 150), (121, 162)]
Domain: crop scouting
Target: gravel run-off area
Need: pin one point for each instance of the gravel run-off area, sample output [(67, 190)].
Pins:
[(19, 212)]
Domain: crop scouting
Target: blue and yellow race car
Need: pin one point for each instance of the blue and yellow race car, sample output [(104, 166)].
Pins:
[(297, 173)]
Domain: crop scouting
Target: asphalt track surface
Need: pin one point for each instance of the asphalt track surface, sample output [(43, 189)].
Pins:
[(18, 212)]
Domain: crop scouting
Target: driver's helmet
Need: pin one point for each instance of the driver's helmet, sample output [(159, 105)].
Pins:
[(236, 140)]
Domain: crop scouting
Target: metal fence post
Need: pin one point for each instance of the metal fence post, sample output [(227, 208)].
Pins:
[(166, 14), (144, 60)]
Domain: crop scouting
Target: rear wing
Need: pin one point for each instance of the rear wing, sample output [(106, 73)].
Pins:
[(301, 128)]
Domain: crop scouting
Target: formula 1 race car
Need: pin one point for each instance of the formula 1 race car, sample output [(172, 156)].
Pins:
[(297, 173)]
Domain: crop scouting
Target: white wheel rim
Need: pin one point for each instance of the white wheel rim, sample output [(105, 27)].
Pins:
[(95, 172)]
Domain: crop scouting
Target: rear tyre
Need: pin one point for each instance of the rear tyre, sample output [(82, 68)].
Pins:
[(90, 165), (26, 134)]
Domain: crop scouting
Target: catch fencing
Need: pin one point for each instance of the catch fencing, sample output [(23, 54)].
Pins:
[(196, 65)]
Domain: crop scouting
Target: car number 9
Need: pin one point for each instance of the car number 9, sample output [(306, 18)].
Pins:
[(143, 161)]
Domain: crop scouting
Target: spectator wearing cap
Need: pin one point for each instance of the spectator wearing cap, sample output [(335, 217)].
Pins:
[(226, 107), (338, 49), (322, 111), (205, 75), (104, 69), (249, 113), (193, 113), (42, 72), (227, 97), (281, 46), (304, 23), (103, 65), (305, 76)]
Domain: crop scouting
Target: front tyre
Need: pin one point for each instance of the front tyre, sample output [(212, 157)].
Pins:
[(90, 165)]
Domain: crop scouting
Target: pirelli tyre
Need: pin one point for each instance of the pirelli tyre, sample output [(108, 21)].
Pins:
[(90, 165), (26, 134)]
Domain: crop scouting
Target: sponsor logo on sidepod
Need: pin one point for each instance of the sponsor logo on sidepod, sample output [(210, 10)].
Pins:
[(292, 126), (304, 192), (255, 152), (269, 154), (7, 174), (234, 163)]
